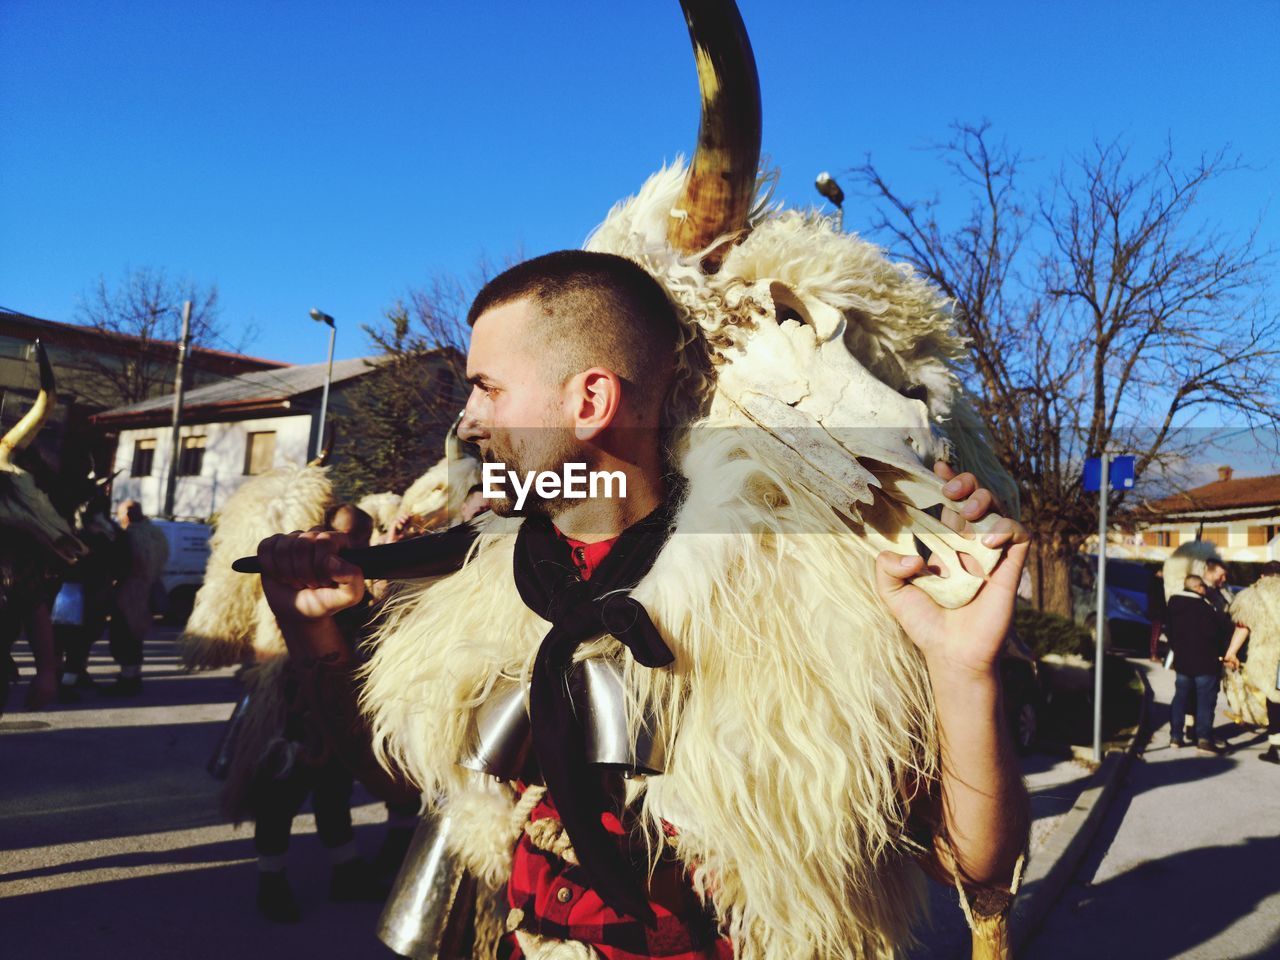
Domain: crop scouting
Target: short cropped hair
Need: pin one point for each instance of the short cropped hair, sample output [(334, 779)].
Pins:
[(1270, 569), (597, 309), (1192, 582)]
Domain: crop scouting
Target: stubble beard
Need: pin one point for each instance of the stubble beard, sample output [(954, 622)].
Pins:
[(533, 450)]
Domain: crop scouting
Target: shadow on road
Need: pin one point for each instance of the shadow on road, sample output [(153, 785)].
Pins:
[(1202, 892), (198, 913), (96, 783)]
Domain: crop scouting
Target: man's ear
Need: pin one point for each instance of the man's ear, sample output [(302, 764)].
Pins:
[(596, 397)]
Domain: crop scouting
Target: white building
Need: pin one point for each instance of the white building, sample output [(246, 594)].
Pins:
[(1239, 515), (230, 430)]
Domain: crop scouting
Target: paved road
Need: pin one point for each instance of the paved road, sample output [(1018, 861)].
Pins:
[(1187, 861), (111, 844)]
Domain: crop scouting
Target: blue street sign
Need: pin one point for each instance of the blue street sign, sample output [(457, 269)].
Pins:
[(1119, 470)]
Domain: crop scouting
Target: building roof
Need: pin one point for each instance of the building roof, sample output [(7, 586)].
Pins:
[(1224, 498), (16, 323), (254, 391)]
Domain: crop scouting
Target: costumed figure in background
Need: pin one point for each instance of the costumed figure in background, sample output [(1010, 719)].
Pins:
[(37, 545), (1256, 611), (269, 767), (85, 600), (441, 498), (806, 712), (147, 551)]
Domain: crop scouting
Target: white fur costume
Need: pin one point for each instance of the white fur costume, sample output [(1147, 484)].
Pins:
[(231, 623), (1258, 608), (797, 717)]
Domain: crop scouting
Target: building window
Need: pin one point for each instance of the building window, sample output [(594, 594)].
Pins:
[(1215, 535), (259, 453), (191, 457), (144, 458), (1262, 535), (1160, 538)]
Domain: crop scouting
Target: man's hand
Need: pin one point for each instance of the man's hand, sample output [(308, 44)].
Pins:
[(968, 640), (306, 582), (984, 804)]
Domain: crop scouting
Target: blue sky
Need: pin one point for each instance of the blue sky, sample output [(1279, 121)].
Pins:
[(338, 154)]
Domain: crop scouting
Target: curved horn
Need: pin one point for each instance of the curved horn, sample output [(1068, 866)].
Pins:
[(330, 437), (25, 430), (722, 177)]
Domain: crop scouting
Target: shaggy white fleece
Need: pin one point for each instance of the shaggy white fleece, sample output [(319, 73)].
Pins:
[(1258, 608), (797, 718), (383, 508), (1185, 561), (437, 495), (230, 617)]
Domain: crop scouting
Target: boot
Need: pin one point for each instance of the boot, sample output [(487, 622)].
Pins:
[(275, 898), (1271, 754)]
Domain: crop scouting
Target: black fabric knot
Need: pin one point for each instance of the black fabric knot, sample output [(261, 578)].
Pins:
[(581, 611)]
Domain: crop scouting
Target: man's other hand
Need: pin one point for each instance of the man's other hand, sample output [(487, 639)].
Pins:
[(304, 579)]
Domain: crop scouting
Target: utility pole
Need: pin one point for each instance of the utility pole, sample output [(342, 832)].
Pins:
[(1104, 493), (172, 480)]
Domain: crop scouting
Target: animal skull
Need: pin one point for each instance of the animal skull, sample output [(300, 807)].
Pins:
[(855, 441)]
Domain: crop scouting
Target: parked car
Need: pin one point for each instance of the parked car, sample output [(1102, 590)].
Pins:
[(1023, 698), (1128, 626), (184, 572)]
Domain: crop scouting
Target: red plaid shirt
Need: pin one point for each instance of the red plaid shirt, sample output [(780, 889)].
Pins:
[(551, 898)]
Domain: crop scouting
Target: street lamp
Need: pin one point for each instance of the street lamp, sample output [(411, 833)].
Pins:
[(320, 317), (828, 187)]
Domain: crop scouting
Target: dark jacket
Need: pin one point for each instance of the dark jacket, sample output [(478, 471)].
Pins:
[(1197, 633)]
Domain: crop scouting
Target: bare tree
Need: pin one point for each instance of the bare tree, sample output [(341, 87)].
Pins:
[(400, 412), (144, 309), (1101, 315)]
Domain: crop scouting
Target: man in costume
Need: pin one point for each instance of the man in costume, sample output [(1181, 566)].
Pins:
[(269, 766), (520, 391), (1256, 611), (810, 709)]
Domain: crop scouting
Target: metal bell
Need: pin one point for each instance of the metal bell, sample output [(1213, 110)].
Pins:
[(606, 722), (500, 734), (428, 911)]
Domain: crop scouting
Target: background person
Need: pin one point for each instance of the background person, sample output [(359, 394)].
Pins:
[(289, 775), (1156, 611), (147, 551), (1196, 634)]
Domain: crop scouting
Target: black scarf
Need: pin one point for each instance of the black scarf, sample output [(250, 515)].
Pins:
[(581, 611)]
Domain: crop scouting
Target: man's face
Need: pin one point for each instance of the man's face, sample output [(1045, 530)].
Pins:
[(516, 413), (1215, 576)]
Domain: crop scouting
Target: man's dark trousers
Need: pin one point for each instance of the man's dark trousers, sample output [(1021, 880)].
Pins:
[(1206, 698)]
